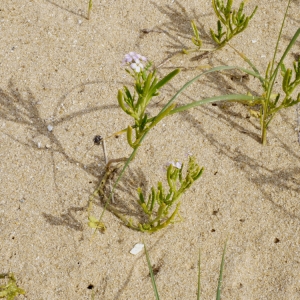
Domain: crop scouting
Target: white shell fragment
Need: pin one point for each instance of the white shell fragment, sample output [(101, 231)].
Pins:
[(137, 249), (50, 128)]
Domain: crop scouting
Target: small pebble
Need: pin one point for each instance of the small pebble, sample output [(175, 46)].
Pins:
[(50, 128)]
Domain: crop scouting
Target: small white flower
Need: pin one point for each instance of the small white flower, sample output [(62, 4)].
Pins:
[(175, 164), (137, 67), (134, 60)]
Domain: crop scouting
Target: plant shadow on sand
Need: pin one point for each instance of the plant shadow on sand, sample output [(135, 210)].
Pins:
[(21, 108), (255, 171), (23, 111), (78, 13), (179, 25)]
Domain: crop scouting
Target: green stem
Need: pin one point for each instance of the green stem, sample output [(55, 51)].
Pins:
[(263, 122), (90, 9), (273, 74), (264, 134)]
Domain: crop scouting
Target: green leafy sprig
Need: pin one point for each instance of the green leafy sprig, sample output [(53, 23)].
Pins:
[(157, 207), (147, 85), (234, 21), (10, 290), (270, 103), (230, 23)]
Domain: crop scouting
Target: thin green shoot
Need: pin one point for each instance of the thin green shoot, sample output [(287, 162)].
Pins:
[(219, 288), (151, 274), (89, 9), (278, 40), (199, 277)]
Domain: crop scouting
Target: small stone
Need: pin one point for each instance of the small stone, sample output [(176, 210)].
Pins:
[(50, 128)]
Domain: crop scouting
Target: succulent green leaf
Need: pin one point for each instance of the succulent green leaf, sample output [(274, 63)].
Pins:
[(129, 136), (286, 81), (196, 38), (166, 79)]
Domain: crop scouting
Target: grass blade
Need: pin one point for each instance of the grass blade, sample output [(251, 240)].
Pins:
[(166, 79), (248, 61), (221, 274), (233, 97), (216, 69), (290, 45), (199, 275), (293, 40), (279, 36), (151, 274)]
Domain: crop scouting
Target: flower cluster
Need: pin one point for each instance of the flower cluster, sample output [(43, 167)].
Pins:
[(135, 60)]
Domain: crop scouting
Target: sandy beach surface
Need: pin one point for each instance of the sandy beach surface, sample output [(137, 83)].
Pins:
[(61, 70)]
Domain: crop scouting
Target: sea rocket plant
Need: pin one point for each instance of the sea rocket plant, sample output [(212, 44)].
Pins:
[(134, 101)]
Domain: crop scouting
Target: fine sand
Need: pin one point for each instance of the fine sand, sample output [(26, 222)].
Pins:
[(60, 69)]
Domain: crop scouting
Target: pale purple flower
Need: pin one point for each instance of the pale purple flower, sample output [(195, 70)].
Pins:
[(135, 61)]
